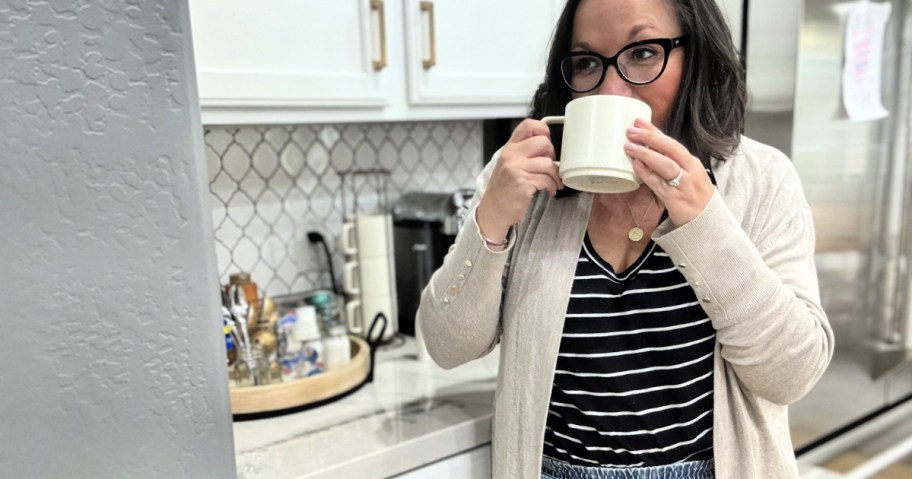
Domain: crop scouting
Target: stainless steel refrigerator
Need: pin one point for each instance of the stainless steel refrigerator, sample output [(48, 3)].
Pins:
[(857, 175)]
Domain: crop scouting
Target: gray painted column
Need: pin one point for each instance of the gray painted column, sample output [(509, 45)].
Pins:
[(111, 354)]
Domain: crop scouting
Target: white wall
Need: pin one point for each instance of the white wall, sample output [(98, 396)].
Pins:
[(734, 13), (111, 357)]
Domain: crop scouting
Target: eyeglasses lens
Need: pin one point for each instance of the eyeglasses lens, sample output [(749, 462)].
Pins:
[(637, 64)]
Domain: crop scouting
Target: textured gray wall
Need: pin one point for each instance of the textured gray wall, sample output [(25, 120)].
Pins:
[(111, 358)]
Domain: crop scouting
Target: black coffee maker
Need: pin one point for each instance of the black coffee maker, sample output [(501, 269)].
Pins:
[(424, 226)]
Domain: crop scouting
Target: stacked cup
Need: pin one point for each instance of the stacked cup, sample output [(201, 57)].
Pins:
[(369, 276)]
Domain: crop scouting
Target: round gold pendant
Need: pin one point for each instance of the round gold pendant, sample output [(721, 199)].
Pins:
[(635, 233)]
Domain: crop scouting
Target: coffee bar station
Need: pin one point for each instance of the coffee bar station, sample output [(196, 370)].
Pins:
[(338, 180), (413, 418), (335, 380)]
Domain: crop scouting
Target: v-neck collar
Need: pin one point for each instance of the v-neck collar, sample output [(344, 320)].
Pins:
[(603, 265), (631, 270)]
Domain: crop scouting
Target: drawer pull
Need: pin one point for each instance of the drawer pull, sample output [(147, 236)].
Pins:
[(430, 62), (381, 12)]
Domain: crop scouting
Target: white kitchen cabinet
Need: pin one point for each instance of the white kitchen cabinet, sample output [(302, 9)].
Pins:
[(287, 54), (473, 464), (302, 61), (477, 51)]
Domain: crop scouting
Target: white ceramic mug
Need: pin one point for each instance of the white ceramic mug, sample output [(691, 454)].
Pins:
[(368, 236), (351, 283), (347, 239), (592, 150), (370, 276), (353, 317), (360, 313)]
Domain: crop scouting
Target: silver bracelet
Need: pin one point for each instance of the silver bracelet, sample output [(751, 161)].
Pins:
[(503, 244)]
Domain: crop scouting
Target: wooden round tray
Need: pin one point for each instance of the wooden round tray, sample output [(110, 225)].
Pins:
[(301, 392)]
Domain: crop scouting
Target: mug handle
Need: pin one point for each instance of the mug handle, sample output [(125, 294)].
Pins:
[(348, 278), (552, 120), (348, 241), (354, 324)]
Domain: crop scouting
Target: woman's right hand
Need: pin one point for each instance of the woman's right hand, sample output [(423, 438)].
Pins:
[(526, 166)]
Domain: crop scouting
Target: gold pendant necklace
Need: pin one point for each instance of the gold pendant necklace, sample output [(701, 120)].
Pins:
[(636, 233)]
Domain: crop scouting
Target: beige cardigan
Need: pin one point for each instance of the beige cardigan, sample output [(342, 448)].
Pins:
[(749, 256)]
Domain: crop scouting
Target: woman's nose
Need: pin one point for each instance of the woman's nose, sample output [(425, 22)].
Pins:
[(614, 84)]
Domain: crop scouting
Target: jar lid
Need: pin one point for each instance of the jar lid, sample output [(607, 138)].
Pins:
[(338, 330), (239, 278), (319, 298)]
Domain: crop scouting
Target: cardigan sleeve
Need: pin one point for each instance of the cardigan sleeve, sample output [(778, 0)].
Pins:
[(759, 290), (459, 313)]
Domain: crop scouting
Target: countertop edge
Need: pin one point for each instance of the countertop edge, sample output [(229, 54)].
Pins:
[(403, 456)]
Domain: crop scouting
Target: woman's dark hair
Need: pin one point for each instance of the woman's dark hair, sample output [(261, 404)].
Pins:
[(708, 114)]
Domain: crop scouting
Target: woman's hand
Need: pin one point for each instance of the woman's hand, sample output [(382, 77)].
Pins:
[(658, 160), (526, 165)]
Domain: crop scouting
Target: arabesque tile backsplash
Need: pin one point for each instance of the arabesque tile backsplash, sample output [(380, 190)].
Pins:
[(271, 185)]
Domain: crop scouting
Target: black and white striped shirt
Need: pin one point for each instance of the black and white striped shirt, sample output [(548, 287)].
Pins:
[(634, 379)]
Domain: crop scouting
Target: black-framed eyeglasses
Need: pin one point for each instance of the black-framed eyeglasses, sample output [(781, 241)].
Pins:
[(639, 63)]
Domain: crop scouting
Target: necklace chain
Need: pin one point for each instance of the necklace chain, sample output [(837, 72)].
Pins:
[(636, 233)]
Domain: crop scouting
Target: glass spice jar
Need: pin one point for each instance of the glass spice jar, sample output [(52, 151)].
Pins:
[(242, 370)]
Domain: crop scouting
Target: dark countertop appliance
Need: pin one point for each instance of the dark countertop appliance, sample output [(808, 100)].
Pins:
[(424, 226)]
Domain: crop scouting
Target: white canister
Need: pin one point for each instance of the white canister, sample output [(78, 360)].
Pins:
[(336, 349)]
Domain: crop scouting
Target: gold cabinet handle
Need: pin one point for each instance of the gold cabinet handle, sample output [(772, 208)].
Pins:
[(429, 8), (381, 12)]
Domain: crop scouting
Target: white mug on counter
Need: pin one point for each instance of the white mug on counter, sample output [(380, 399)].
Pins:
[(360, 313), (368, 236), (369, 277), (371, 286), (592, 151), (351, 284)]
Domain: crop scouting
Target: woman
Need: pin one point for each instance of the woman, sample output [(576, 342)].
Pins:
[(671, 355)]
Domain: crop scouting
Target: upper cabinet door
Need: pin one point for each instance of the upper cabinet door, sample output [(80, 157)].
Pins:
[(289, 53), (320, 61), (470, 52)]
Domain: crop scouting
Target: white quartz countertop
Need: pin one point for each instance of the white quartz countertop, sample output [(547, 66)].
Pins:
[(413, 414)]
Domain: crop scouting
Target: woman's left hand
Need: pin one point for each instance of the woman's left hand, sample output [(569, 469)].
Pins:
[(659, 160)]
